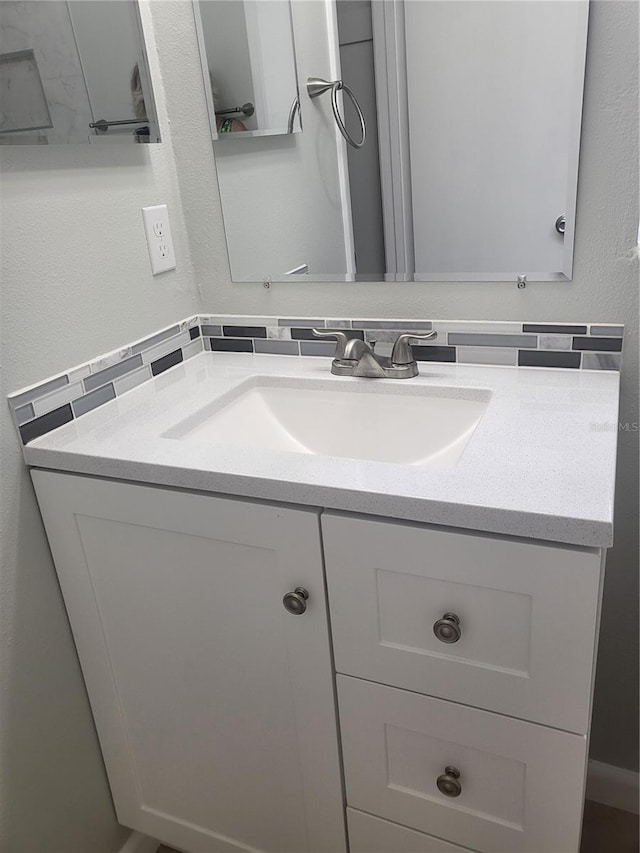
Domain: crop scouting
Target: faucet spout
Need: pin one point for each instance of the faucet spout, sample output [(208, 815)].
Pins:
[(370, 366)]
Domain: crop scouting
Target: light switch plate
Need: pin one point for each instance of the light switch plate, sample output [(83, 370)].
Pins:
[(159, 239)]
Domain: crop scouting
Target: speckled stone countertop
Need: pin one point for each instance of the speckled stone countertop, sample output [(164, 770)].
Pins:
[(540, 464)]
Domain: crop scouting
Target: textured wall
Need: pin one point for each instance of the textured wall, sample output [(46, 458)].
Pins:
[(604, 288), (75, 282)]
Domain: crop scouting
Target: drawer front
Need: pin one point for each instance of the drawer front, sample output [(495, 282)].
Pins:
[(369, 834), (521, 785), (526, 613)]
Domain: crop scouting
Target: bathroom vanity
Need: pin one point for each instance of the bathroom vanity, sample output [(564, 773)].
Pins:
[(287, 648)]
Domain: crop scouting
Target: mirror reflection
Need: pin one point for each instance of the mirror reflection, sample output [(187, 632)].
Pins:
[(74, 72), (249, 66), (469, 115)]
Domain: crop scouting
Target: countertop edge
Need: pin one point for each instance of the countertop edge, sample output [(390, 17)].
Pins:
[(482, 519)]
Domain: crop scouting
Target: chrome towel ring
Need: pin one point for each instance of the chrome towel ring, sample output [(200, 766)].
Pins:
[(317, 86)]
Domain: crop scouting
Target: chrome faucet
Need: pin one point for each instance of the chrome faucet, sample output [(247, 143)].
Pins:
[(356, 358)]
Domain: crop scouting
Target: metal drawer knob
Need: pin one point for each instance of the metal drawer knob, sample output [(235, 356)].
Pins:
[(448, 783), (296, 602), (447, 629)]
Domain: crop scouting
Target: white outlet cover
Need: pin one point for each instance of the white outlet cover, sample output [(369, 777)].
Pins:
[(159, 239)]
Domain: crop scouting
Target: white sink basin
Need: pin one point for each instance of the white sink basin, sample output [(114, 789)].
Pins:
[(366, 419)]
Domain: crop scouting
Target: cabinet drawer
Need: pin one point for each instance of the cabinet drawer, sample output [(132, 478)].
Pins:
[(527, 616), (521, 784), (369, 834)]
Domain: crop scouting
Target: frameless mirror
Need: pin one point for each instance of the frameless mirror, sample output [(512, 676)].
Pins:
[(74, 71), (440, 141), (248, 63)]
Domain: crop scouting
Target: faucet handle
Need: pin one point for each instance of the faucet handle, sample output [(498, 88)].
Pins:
[(339, 334), (401, 353)]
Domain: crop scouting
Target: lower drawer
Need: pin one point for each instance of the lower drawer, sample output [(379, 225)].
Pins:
[(475, 778), (369, 834)]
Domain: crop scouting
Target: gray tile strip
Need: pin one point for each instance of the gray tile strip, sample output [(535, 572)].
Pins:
[(155, 339), (601, 360), (305, 324), (24, 413), (244, 331), (57, 398), (485, 327), (192, 349), (39, 391), (132, 380), (554, 328), (614, 331), (434, 353), (598, 344), (45, 423), (277, 347), (231, 344), (398, 325), (92, 400), (166, 361), (479, 340), (95, 380), (488, 355), (317, 348), (559, 345), (547, 358)]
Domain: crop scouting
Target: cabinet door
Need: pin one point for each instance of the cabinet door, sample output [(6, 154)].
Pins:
[(214, 705), (527, 616), (521, 784)]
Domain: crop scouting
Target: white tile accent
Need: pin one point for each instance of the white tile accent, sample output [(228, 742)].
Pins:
[(193, 348), (132, 380), (165, 347), (279, 333), (58, 398), (109, 359), (78, 372), (555, 342)]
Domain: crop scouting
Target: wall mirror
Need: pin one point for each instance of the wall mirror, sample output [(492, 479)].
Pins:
[(74, 71), (432, 140)]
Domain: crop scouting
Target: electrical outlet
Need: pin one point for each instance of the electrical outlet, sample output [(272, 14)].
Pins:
[(159, 240)]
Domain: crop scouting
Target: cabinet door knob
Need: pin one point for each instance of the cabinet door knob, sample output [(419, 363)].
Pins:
[(447, 629), (296, 602), (448, 783)]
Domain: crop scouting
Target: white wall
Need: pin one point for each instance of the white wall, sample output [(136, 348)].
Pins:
[(604, 288), (75, 282)]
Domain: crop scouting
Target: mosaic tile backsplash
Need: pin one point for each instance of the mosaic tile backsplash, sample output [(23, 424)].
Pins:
[(63, 398)]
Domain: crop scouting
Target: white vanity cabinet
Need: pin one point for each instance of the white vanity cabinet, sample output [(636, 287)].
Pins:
[(462, 682), (214, 705), (451, 648)]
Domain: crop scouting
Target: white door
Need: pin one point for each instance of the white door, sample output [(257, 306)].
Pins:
[(214, 705)]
